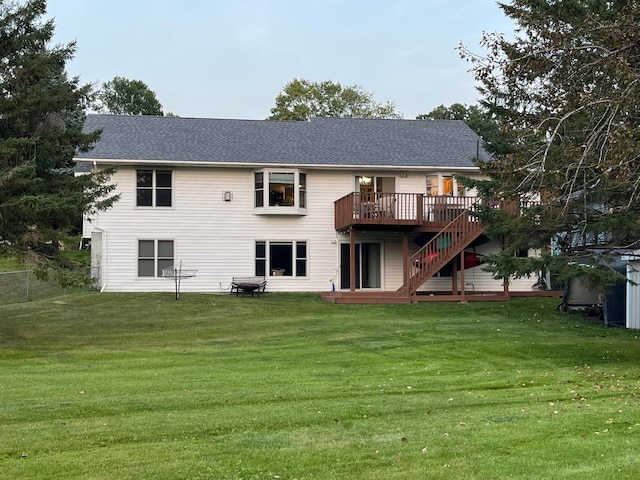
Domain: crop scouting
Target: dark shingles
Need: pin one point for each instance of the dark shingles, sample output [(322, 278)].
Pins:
[(321, 141), (82, 167)]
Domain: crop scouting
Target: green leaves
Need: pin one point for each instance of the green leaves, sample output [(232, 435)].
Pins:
[(121, 96), (477, 117), (301, 100)]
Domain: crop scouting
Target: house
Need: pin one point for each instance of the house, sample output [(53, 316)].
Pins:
[(363, 210)]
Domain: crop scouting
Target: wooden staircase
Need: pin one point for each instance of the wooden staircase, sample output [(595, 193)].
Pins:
[(440, 250)]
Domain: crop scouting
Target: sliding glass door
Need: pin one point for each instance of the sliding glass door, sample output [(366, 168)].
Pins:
[(368, 266)]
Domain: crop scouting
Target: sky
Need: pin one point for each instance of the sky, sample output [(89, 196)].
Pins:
[(231, 58)]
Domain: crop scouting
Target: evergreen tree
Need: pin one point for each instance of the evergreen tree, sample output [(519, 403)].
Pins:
[(566, 89), (41, 121)]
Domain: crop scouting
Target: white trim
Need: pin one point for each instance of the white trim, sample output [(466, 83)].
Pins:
[(299, 166)]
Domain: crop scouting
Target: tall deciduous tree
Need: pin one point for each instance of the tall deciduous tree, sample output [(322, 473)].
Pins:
[(122, 96), (301, 99), (41, 121), (567, 87)]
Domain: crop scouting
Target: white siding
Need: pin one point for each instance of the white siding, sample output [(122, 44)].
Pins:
[(218, 238)]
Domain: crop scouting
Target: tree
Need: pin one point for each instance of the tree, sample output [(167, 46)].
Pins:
[(121, 96), (301, 99), (477, 117), (41, 121), (566, 89)]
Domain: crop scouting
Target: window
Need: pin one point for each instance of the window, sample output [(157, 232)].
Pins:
[(302, 187), (153, 256), (432, 185), (370, 187), (280, 190), (259, 189), (281, 259), (444, 185), (153, 188)]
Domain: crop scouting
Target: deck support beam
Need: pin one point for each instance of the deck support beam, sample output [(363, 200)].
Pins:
[(405, 261), (462, 292), (352, 260)]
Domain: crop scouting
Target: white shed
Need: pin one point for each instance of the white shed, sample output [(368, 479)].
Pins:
[(633, 290)]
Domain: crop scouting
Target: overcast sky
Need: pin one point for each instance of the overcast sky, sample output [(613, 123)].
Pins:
[(231, 58)]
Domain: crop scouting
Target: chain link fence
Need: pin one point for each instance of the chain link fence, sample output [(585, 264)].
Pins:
[(23, 286)]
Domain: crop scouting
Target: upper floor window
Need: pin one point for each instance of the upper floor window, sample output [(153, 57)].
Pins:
[(370, 187), (432, 186), (280, 190), (153, 188), (444, 185), (302, 186)]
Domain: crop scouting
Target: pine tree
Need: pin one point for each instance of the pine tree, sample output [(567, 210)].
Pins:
[(566, 89), (41, 121)]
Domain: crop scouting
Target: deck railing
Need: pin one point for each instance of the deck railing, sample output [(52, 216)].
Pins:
[(399, 209), (378, 209)]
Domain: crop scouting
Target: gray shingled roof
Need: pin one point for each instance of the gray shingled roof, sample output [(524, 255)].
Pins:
[(320, 141)]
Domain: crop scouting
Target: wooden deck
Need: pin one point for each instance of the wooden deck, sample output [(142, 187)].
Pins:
[(368, 297), (454, 224), (399, 211)]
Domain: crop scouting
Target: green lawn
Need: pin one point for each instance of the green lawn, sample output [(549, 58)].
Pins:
[(10, 264), (122, 386)]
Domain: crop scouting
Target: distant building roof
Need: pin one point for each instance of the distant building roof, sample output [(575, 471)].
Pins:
[(320, 141)]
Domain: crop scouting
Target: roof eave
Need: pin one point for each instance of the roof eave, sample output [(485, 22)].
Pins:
[(208, 164)]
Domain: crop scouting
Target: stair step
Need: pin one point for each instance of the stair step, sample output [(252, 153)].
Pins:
[(441, 249)]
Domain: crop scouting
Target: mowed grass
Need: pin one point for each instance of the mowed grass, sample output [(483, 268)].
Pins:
[(114, 386), (10, 264)]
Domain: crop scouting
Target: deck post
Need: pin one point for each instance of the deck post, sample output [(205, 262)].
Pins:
[(462, 294), (454, 277), (420, 208), (352, 260), (405, 261)]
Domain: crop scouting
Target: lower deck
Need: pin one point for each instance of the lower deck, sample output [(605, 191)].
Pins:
[(361, 297)]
